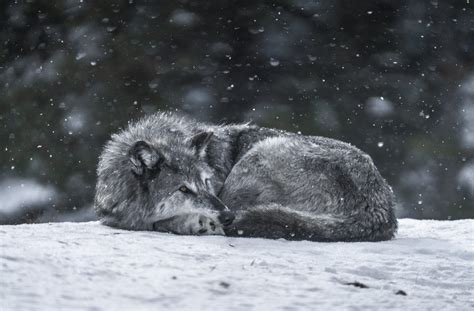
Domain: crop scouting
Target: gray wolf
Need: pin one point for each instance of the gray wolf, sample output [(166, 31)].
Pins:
[(170, 173)]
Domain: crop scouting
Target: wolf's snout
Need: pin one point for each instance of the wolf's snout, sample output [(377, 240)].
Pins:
[(226, 218)]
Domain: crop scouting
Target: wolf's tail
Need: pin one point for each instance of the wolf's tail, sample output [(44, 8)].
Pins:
[(276, 222), (361, 226)]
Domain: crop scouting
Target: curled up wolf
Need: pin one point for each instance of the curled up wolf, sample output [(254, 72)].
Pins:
[(172, 174)]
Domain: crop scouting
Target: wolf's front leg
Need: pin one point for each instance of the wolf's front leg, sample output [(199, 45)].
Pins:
[(190, 224), (196, 224)]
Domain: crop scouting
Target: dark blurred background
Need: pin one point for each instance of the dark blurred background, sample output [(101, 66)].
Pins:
[(394, 78)]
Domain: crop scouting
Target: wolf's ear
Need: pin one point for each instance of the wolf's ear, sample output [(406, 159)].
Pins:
[(200, 141), (145, 159)]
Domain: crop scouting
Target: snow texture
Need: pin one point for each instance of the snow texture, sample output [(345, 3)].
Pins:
[(89, 266)]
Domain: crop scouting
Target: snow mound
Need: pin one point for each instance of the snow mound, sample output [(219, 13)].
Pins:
[(20, 195), (89, 266)]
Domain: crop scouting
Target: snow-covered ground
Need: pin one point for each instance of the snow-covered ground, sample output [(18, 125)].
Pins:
[(65, 266)]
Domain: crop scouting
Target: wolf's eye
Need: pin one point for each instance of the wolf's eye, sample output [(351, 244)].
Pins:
[(184, 189)]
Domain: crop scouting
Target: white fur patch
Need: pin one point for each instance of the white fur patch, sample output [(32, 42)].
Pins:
[(205, 176)]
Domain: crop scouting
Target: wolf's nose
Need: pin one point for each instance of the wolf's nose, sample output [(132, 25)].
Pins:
[(226, 218)]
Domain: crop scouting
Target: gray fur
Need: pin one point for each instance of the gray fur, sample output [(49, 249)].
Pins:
[(277, 184)]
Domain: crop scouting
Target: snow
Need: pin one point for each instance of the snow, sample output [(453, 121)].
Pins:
[(89, 266), (20, 195)]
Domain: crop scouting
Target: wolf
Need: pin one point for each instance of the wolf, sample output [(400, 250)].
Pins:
[(169, 173)]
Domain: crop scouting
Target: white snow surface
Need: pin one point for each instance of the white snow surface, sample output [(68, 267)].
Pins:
[(87, 266)]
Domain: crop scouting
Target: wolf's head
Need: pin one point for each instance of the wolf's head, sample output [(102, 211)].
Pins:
[(160, 184)]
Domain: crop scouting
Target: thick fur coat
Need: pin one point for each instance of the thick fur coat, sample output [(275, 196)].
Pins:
[(173, 174)]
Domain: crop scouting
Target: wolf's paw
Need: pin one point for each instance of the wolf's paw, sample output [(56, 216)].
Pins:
[(203, 225)]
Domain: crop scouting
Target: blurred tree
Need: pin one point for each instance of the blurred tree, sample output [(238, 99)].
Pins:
[(393, 78)]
